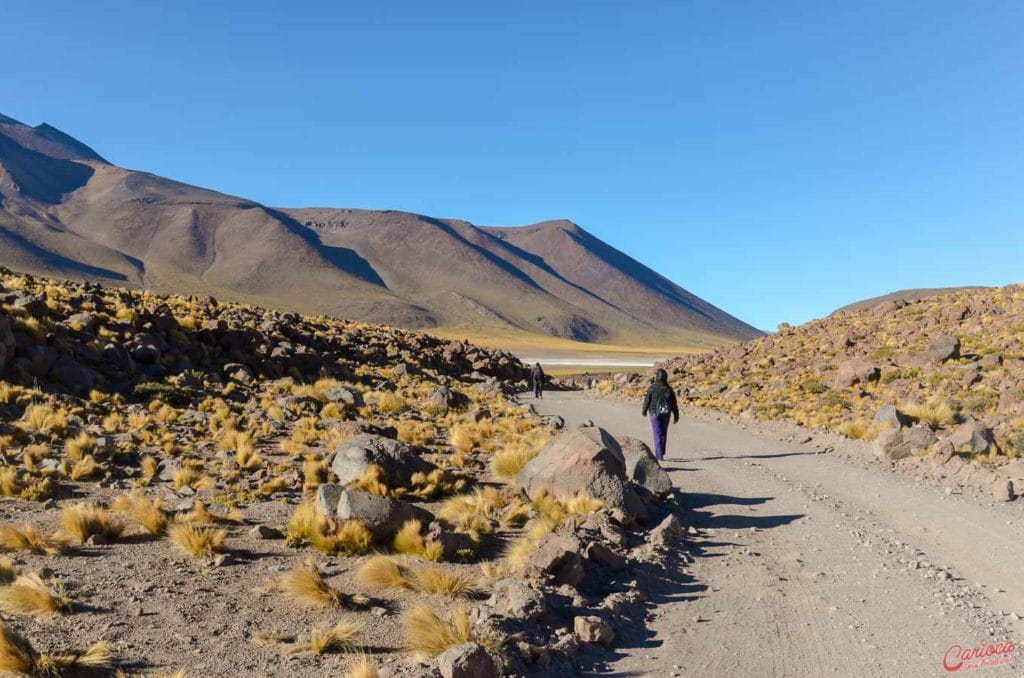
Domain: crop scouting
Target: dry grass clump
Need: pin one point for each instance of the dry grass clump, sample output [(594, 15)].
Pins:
[(935, 410), (342, 637), (361, 667), (372, 481), (197, 541), (43, 420), (507, 462), (305, 584), (146, 512), (861, 429), (381, 572), (427, 634), (326, 535), (81, 521), (582, 504), (438, 581), (19, 657), (29, 538), (28, 594), (409, 541)]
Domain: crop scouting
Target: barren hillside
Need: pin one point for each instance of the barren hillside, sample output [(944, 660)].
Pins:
[(66, 211)]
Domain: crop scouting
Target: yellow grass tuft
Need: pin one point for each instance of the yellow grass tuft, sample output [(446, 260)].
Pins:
[(409, 541), (936, 410), (381, 572), (43, 420), (81, 521), (351, 538), (197, 541), (372, 481), (29, 538), (860, 429), (517, 551), (436, 580), (427, 634), (508, 461), (147, 513), (30, 595), (305, 584), (18, 656), (79, 446), (361, 667), (342, 637), (582, 504), (303, 523)]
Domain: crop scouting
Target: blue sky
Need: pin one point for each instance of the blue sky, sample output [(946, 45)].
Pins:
[(779, 159)]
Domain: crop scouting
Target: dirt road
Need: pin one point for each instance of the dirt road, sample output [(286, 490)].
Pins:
[(808, 565)]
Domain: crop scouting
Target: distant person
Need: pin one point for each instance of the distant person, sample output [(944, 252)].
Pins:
[(660, 404), (537, 374)]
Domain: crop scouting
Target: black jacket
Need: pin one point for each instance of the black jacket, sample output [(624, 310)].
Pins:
[(661, 399), (537, 374)]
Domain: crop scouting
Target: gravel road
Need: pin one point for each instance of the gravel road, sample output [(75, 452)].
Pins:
[(809, 565)]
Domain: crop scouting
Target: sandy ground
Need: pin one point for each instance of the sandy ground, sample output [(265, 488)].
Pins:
[(811, 564)]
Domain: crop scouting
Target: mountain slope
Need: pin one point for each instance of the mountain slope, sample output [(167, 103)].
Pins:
[(64, 210), (904, 296)]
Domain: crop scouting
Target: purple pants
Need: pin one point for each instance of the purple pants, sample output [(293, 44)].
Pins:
[(659, 426)]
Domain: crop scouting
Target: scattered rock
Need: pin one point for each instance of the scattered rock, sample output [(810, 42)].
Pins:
[(1002, 490), (556, 560), (381, 515), (942, 348), (466, 661), (854, 372), (265, 532), (593, 630), (515, 599), (397, 460), (643, 469)]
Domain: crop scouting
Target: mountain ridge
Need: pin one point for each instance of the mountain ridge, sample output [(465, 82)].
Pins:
[(65, 210)]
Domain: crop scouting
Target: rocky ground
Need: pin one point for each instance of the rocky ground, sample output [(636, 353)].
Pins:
[(935, 384), (199, 488)]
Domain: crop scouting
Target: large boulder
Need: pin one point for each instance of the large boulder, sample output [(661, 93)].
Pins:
[(942, 348), (972, 437), (888, 415), (397, 460), (381, 515), (854, 372), (444, 398), (587, 460), (896, 443), (643, 469)]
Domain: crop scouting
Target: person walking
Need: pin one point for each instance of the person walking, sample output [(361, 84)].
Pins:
[(537, 374), (660, 404)]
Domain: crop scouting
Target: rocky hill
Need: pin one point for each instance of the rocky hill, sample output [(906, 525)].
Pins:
[(65, 211), (942, 375), (206, 488)]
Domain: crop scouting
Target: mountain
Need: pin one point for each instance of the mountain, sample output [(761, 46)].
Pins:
[(66, 211), (905, 296)]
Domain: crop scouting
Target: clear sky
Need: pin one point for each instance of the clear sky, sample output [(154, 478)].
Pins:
[(779, 159)]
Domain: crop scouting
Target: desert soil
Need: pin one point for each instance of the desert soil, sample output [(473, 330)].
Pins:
[(809, 563)]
